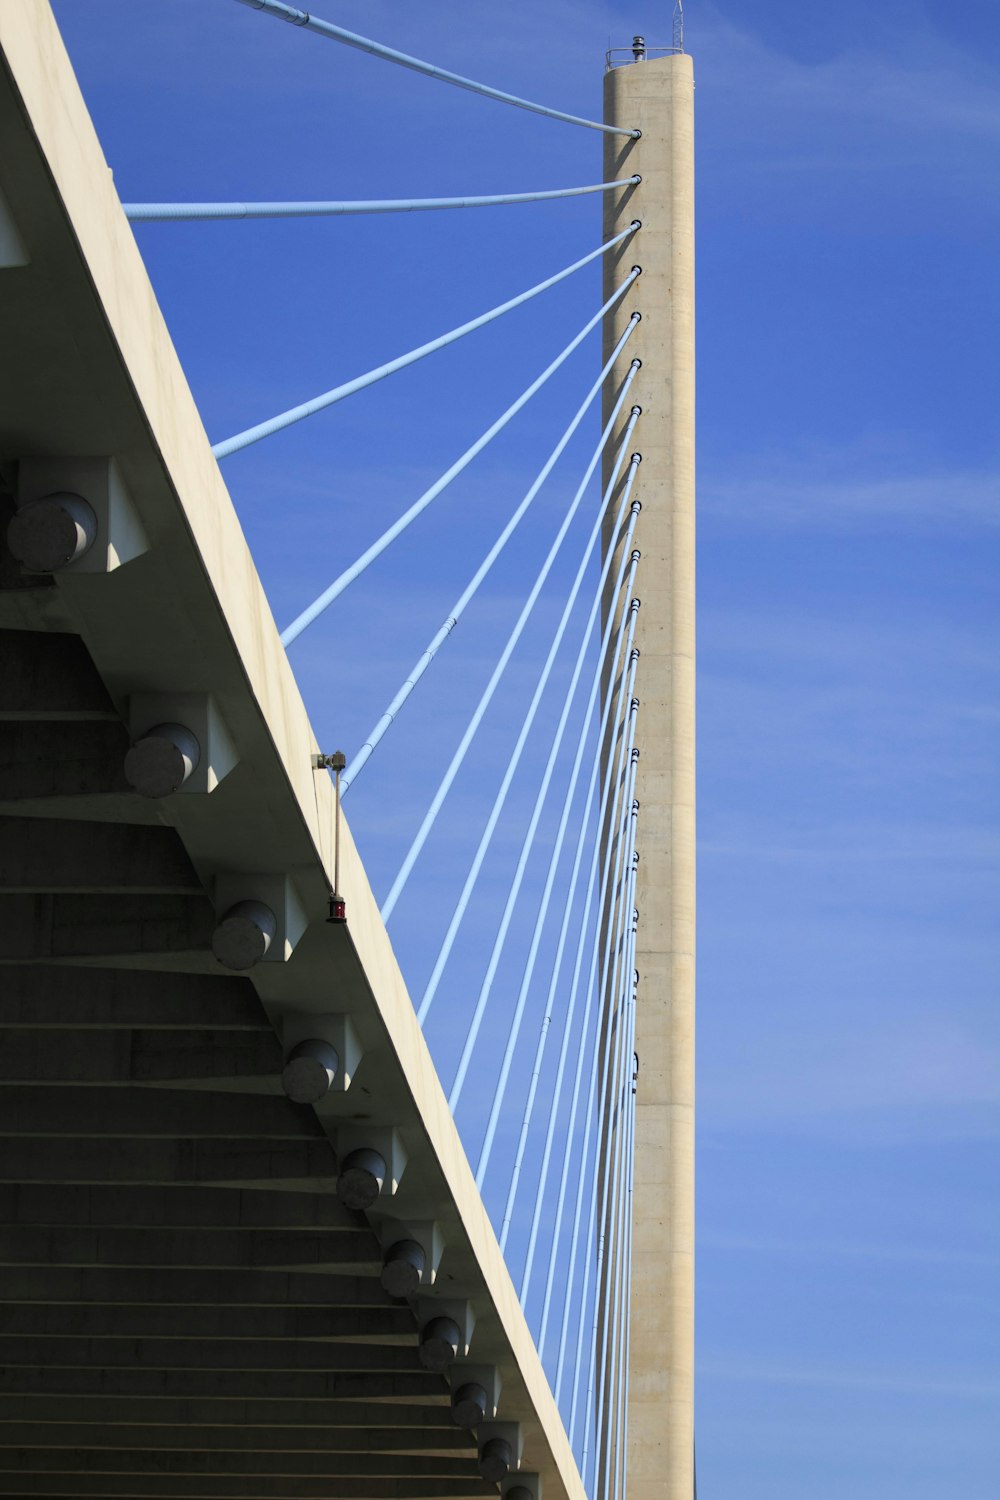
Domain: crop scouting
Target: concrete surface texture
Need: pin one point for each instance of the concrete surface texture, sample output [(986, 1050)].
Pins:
[(657, 96)]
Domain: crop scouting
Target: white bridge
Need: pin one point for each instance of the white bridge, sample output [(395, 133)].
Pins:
[(242, 1251)]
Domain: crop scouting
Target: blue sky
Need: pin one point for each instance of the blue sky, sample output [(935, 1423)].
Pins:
[(849, 1047)]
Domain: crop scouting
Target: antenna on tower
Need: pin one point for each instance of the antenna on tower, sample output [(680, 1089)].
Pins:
[(678, 25)]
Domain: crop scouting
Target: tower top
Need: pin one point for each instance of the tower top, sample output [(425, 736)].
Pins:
[(642, 51)]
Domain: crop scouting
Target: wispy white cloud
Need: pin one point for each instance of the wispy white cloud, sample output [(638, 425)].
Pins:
[(865, 844), (962, 1385), (926, 90), (817, 493), (818, 1250), (914, 1079)]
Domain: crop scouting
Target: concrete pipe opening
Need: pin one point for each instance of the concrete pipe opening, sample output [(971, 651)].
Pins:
[(468, 1405), (47, 534), (244, 935), (495, 1459), (402, 1268), (362, 1174), (162, 760), (439, 1341), (309, 1070)]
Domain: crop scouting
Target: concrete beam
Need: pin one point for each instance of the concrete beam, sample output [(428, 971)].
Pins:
[(130, 1113), (248, 1061), (226, 1385), (250, 1488), (204, 1322), (81, 1204), (349, 1252), (43, 759), (50, 676), (216, 1356), (248, 1290), (75, 514), (197, 1465), (426, 1437), (81, 927), (305, 1422), (61, 854), (37, 996), (307, 1166)]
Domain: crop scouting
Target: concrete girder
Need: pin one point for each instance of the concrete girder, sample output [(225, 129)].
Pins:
[(348, 1252), (172, 1287), (204, 1321), (132, 1113), (72, 927), (309, 1421), (54, 854), (248, 1355), (302, 1166), (36, 995), (428, 1437), (44, 759), (94, 1379), (249, 1488), (80, 1204), (196, 1464), (51, 676), (241, 1061)]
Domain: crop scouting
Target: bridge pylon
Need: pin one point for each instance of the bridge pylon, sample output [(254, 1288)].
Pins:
[(656, 94)]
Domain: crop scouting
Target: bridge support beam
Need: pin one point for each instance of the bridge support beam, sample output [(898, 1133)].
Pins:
[(657, 96)]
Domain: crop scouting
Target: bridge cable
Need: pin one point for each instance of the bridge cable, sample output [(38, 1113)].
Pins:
[(610, 1404), (416, 672), (607, 1084), (515, 756), (608, 1233), (616, 776), (620, 1487), (361, 382), (297, 17), (614, 1374), (626, 636), (529, 836), (306, 618), (610, 1073), (609, 666), (613, 1378), (574, 1408), (615, 846), (604, 1219), (456, 761), (601, 1207), (175, 213), (556, 845)]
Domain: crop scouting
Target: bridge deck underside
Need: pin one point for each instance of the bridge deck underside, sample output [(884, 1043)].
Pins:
[(186, 1308)]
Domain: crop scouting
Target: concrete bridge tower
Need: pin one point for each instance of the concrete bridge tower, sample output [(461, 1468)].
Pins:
[(655, 94)]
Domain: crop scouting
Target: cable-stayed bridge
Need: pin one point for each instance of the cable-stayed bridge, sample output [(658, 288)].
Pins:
[(247, 1248)]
